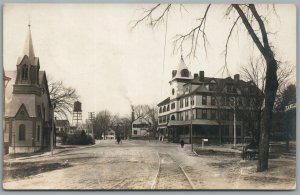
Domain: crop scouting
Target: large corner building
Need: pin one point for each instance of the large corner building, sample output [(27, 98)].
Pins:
[(207, 106)]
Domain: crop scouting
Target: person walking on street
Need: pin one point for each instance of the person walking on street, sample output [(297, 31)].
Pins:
[(182, 143)]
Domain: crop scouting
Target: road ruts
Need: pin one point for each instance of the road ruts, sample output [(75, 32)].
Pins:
[(171, 175)]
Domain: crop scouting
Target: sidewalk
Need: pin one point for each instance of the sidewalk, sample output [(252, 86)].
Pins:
[(57, 150)]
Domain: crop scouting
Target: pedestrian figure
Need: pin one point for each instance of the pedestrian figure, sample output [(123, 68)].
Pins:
[(118, 139), (182, 143)]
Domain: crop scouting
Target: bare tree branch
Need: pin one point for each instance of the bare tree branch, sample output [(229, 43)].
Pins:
[(148, 16)]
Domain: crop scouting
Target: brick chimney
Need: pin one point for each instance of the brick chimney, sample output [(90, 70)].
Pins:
[(201, 76), (236, 77)]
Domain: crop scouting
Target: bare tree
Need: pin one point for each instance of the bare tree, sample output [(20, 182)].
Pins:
[(148, 112), (63, 97), (255, 71), (140, 110), (250, 17), (103, 121)]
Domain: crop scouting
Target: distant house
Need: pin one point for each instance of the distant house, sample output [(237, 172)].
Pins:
[(28, 110), (72, 130), (62, 126), (110, 135), (140, 127)]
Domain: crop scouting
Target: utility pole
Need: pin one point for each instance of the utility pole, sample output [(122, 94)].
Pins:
[(191, 111), (234, 121), (52, 132), (92, 119), (234, 125), (14, 138)]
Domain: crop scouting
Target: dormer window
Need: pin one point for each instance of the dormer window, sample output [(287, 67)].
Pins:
[(184, 73), (25, 72)]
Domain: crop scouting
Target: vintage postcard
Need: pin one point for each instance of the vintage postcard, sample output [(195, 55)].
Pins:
[(149, 96)]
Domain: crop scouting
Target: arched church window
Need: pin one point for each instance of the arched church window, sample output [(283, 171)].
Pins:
[(22, 131), (184, 73), (25, 72)]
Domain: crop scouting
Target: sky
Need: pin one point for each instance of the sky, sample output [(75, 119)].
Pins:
[(93, 48)]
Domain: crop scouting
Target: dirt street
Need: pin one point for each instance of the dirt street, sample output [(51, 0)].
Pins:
[(145, 165)]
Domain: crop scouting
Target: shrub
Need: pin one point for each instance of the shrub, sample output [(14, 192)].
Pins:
[(80, 138)]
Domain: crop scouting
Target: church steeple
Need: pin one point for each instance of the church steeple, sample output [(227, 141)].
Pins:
[(28, 64), (28, 47)]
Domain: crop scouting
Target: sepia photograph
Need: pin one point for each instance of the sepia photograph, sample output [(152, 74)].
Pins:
[(149, 96)]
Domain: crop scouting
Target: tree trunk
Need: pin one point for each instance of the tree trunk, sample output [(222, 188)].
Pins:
[(270, 94)]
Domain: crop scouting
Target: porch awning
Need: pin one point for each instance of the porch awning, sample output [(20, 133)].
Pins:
[(194, 122)]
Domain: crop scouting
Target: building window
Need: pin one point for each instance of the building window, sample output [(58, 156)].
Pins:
[(160, 110), (181, 103), (212, 86), (213, 115), (184, 73), (44, 111), (173, 106), (134, 132), (204, 114), (186, 102), (192, 100), (38, 133), (181, 116), (172, 117), (173, 91), (164, 109), (25, 72), (213, 100), (204, 98), (186, 117), (22, 132), (168, 108)]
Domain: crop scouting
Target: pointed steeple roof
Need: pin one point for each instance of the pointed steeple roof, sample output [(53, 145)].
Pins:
[(181, 70), (181, 65), (28, 47)]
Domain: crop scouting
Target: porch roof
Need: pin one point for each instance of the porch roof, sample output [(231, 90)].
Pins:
[(194, 122)]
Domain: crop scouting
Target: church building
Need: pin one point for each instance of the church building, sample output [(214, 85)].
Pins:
[(28, 111)]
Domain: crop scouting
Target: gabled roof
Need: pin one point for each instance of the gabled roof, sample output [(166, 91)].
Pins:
[(12, 106), (142, 120)]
